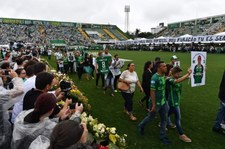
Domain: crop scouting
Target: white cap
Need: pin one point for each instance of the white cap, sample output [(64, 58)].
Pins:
[(174, 57)]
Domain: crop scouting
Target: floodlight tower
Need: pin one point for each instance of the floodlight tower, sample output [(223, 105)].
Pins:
[(127, 11)]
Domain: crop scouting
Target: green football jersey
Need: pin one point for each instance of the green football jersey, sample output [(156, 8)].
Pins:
[(79, 59), (198, 74), (65, 60), (158, 84), (174, 92), (103, 64)]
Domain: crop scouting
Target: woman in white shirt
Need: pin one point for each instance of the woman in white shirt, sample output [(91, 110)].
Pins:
[(130, 77)]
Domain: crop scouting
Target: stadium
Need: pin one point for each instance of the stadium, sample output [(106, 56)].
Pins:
[(81, 64)]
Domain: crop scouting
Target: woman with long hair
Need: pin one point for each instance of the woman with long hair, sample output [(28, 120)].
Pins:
[(146, 79)]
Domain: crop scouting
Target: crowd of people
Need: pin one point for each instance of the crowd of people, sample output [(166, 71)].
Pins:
[(29, 109), (210, 48), (42, 34)]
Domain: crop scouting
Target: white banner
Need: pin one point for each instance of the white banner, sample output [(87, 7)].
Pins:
[(178, 40), (198, 67)]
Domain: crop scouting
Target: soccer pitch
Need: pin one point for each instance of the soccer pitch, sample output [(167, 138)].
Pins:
[(199, 105)]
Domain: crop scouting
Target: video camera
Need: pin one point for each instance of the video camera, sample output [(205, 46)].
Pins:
[(66, 87)]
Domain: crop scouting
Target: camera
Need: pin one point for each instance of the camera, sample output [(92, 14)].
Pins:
[(66, 87), (5, 72)]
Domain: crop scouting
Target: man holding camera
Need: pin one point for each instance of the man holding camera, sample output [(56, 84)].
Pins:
[(6, 101)]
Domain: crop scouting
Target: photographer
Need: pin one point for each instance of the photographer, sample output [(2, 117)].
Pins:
[(43, 84), (5, 67), (7, 99)]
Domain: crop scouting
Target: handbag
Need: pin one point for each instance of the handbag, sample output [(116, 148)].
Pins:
[(123, 86)]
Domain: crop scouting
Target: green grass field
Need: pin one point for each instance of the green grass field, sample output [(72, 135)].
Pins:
[(199, 106)]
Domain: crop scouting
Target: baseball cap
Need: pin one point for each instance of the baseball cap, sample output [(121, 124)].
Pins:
[(174, 57)]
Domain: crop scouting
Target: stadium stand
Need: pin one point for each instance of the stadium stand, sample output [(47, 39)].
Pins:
[(38, 31), (104, 32), (201, 26)]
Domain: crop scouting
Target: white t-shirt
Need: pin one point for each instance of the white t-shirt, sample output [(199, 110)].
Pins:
[(132, 77), (49, 52)]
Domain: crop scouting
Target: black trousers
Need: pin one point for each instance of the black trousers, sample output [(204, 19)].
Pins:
[(128, 97), (146, 97), (80, 72), (102, 77)]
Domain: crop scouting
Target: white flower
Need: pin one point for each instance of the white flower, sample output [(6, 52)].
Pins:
[(90, 118), (96, 134), (95, 127), (84, 120), (112, 130), (53, 71), (84, 114), (102, 130)]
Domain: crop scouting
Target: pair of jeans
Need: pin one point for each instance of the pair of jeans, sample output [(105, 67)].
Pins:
[(220, 115), (177, 117), (168, 121), (151, 116), (109, 83), (128, 97), (115, 81)]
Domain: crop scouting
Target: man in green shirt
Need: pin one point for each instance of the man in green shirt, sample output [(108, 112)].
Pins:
[(174, 92), (103, 64), (158, 103)]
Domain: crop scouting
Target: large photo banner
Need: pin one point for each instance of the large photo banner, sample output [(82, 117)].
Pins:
[(198, 66)]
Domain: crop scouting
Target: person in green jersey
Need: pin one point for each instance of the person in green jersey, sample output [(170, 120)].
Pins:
[(174, 92), (102, 67), (158, 103), (98, 73), (198, 71)]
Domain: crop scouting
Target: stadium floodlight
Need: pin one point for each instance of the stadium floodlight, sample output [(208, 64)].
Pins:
[(127, 11)]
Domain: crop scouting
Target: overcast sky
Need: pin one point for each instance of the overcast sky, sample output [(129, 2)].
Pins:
[(144, 14)]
